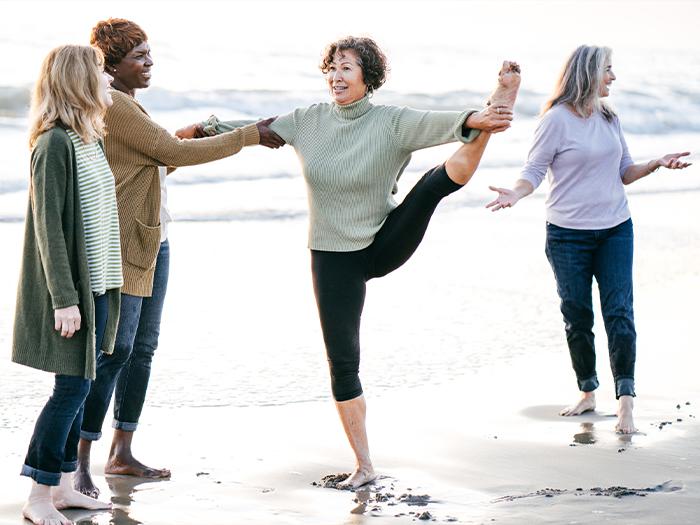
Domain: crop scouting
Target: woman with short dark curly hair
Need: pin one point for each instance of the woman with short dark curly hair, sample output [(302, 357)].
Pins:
[(353, 153), (138, 149)]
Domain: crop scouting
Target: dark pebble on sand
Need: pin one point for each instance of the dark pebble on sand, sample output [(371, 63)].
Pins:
[(495, 437), (425, 516), (679, 420), (687, 403)]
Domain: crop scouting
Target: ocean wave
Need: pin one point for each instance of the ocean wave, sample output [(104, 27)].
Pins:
[(641, 112)]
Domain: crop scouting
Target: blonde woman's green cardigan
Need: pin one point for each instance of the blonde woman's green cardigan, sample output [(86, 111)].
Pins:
[(54, 272)]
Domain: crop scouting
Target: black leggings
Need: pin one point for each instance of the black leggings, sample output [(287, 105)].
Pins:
[(339, 277)]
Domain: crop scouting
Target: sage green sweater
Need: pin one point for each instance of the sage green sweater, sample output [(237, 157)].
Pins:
[(352, 157), (54, 272)]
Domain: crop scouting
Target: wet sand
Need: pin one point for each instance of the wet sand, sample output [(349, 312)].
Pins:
[(483, 445)]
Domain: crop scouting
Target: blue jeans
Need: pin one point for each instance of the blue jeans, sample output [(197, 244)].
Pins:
[(576, 257), (53, 448), (127, 370)]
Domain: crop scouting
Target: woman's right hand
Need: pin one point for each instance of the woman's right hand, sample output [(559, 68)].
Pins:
[(507, 198), (193, 131), (268, 137), (67, 320)]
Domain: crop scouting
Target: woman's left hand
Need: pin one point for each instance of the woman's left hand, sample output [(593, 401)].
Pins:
[(673, 161)]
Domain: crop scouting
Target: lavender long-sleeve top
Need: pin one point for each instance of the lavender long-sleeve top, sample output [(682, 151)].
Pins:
[(584, 160)]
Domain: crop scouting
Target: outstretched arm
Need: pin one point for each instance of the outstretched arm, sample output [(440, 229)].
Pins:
[(507, 198), (213, 126), (672, 161)]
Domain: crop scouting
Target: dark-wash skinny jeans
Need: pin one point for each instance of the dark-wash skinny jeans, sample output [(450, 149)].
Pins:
[(53, 448), (576, 257), (126, 372)]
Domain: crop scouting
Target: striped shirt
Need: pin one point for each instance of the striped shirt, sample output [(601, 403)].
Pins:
[(98, 203), (352, 157)]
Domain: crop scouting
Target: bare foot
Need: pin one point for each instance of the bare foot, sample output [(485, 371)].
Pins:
[(82, 482), (625, 422), (361, 476), (64, 496), (130, 466), (585, 404), (508, 83), (41, 511)]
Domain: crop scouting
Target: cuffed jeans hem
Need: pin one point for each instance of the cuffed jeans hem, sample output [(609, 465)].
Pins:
[(90, 436), (588, 385), (124, 426), (624, 387), (42, 477), (69, 466)]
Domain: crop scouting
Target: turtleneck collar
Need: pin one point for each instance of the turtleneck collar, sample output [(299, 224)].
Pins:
[(354, 110)]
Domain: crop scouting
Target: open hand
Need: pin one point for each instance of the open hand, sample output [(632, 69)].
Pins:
[(506, 198), (268, 137), (672, 161), (67, 320)]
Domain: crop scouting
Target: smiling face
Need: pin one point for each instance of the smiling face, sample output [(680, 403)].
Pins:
[(608, 78), (345, 80), (134, 70)]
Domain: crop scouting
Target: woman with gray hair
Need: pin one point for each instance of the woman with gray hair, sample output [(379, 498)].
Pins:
[(579, 144)]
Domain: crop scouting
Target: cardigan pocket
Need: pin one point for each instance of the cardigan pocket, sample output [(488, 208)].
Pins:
[(142, 249)]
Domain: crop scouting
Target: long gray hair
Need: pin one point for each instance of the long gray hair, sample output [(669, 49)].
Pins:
[(579, 82)]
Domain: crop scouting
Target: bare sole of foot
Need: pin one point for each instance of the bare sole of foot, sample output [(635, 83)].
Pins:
[(136, 469), (357, 479), (508, 84), (585, 404), (82, 482), (43, 512)]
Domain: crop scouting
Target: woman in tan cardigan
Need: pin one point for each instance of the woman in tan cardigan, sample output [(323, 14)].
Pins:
[(138, 150)]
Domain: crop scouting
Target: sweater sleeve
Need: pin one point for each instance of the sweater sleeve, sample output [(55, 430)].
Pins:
[(51, 163), (287, 126), (545, 145), (626, 159), (415, 129), (131, 126), (213, 126)]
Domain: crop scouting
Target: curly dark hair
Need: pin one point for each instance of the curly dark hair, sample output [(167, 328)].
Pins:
[(372, 60), (115, 37)]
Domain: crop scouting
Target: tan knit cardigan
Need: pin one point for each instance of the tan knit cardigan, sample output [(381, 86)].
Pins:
[(135, 147)]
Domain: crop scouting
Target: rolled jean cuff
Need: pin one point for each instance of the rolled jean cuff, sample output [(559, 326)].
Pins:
[(42, 477), (90, 436), (624, 386), (69, 466), (588, 385), (124, 425)]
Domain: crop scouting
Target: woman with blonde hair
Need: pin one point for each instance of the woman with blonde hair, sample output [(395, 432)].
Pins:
[(68, 296), (579, 144)]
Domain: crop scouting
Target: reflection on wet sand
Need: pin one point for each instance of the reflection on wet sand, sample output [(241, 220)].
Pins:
[(123, 489), (587, 434)]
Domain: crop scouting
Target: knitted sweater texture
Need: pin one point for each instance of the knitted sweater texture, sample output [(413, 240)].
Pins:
[(135, 147)]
